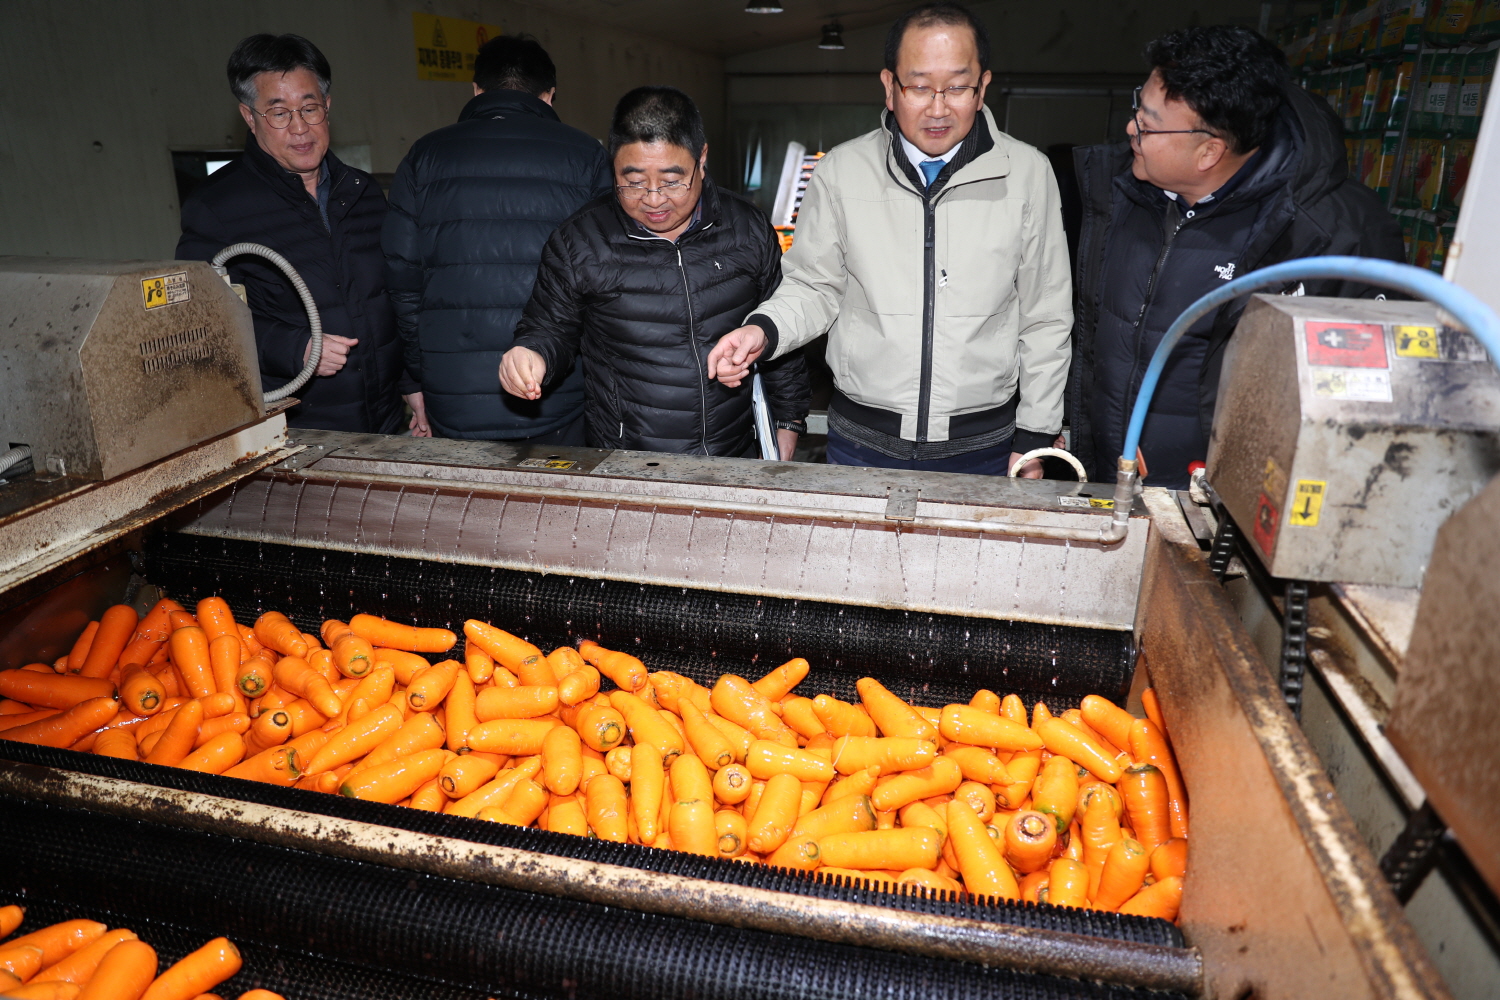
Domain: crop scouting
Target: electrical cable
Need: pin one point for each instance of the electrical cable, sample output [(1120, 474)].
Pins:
[(1468, 311), (15, 456), (315, 322)]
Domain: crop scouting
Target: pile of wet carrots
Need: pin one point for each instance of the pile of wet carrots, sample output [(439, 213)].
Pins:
[(85, 960), (1084, 809)]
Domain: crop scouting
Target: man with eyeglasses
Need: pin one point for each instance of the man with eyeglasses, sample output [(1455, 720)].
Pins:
[(932, 253), (288, 192), (1228, 168), (641, 284)]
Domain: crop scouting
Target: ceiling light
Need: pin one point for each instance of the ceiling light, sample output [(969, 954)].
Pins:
[(761, 7), (833, 37)]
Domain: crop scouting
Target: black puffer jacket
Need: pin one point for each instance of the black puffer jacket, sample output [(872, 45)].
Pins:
[(644, 312), (1143, 259), (254, 200), (471, 207)]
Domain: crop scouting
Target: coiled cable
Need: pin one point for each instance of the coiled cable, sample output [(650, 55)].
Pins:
[(315, 322)]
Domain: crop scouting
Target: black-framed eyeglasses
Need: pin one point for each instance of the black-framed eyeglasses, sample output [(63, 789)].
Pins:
[(1142, 131), (958, 97), (313, 114), (671, 189)]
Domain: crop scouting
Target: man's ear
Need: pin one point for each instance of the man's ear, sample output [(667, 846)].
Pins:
[(703, 159), (477, 90), (984, 82), (1212, 153), (888, 80), (548, 96), (248, 115)]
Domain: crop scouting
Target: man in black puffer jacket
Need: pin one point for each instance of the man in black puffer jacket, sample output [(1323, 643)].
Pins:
[(643, 284), (289, 193), (1229, 169), (471, 207)]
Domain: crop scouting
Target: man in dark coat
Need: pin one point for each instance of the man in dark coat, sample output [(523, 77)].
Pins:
[(643, 283), (289, 193), (471, 207), (1229, 168)]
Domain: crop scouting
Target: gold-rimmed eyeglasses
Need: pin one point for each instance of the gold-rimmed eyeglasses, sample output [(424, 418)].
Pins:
[(955, 97), (313, 114)]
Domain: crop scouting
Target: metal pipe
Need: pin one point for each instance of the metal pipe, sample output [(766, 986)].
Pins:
[(1107, 534), (1052, 953)]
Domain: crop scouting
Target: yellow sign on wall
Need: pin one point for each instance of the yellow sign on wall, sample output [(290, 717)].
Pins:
[(446, 46)]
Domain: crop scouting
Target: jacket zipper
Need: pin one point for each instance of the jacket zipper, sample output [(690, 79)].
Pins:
[(929, 263), (693, 341), (1140, 319)]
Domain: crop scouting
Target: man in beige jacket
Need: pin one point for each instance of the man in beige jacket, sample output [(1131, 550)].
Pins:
[(932, 253)]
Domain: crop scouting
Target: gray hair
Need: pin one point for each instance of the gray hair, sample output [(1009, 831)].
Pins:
[(274, 54)]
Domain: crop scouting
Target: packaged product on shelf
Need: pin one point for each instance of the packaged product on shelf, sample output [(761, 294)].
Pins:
[(1333, 90), (1448, 21), (1368, 119), (1353, 103), (1352, 154), (1402, 74), (1408, 223), (1424, 243), (1440, 80), (1485, 26), (1330, 22), (1478, 73), (1304, 34), (1421, 175), (1401, 26), (1382, 169), (1458, 155), (1359, 19)]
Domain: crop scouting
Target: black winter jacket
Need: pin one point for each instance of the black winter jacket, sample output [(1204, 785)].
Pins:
[(471, 206), (1144, 258), (254, 200), (644, 312)]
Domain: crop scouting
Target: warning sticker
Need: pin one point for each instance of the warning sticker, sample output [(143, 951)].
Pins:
[(1346, 345), (556, 464), (447, 46), (1266, 516), (1353, 384), (1307, 502), (1443, 343), (165, 290), (1097, 504), (1273, 483), (1416, 342)]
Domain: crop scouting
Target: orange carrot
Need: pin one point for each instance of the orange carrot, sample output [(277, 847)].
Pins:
[(849, 814), (295, 675), (140, 691), (691, 823), (428, 688), (79, 966), (417, 734), (891, 715), (80, 651), (197, 973), (1124, 871), (507, 650), (646, 726), (464, 774), (234, 722), (733, 698), (459, 711), (20, 961), (224, 655), (601, 728), (841, 718), (767, 758), (986, 701), (481, 665), (1101, 831), (775, 814), (938, 778), (51, 690), (732, 784), (352, 654), (64, 728), (176, 740), (978, 764), (628, 673), (578, 685), (253, 677), (1148, 745), (58, 941), (1170, 859), (971, 726), (517, 737), (1073, 743), (17, 719), (276, 766), (276, 631), (190, 655), (217, 755), (731, 829), (380, 632), (777, 684), (494, 793), (979, 857), (562, 761), (1153, 710), (151, 634), (1034, 886), (1068, 883), (396, 779), (1159, 900), (1147, 804), (124, 973), (116, 626), (528, 701), (269, 729), (898, 849)]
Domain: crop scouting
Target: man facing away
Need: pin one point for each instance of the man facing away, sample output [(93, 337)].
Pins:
[(932, 253), (289, 193), (1229, 168), (471, 207)]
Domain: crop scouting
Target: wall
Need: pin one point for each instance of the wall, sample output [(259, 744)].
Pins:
[(97, 93)]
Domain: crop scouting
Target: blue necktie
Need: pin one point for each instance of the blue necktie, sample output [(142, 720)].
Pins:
[(931, 168)]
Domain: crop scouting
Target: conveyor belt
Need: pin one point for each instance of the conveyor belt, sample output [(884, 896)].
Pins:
[(313, 926), (931, 659)]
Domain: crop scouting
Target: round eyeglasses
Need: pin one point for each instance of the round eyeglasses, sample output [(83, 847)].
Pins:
[(313, 114)]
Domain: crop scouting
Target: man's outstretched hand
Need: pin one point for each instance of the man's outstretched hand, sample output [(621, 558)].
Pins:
[(736, 351), (521, 372)]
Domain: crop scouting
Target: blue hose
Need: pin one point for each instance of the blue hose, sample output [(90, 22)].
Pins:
[(1470, 313)]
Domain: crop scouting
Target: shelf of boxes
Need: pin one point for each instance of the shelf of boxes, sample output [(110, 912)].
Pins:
[(1410, 79)]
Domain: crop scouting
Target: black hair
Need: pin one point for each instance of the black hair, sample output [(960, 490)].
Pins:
[(515, 62), (929, 14), (1232, 77), (274, 54), (657, 114)]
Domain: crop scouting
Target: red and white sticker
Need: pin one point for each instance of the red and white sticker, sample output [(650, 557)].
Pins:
[(1335, 344), (1266, 517)]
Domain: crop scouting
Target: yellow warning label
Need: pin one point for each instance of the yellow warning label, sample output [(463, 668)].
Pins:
[(165, 290), (446, 46), (1105, 504), (1307, 502), (1273, 483), (1417, 342)]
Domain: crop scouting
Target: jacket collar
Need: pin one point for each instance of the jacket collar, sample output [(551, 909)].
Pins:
[(707, 214), (979, 158), (499, 103), (283, 181)]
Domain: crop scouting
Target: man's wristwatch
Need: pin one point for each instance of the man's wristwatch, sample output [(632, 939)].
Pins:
[(795, 426)]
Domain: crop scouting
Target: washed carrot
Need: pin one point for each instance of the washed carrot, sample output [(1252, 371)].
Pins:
[(20, 961), (579, 684), (396, 779), (225, 654), (1069, 741), (1108, 719), (1055, 791), (850, 814), (80, 966), (898, 849), (767, 758), (979, 797), (797, 712), (480, 665), (601, 728), (177, 739), (1148, 745), (15, 721), (980, 859), (380, 632), (673, 688), (562, 760), (51, 690), (1124, 872), (506, 649), (1068, 883), (565, 814), (929, 880), (891, 715), (247, 636), (529, 701), (800, 852), (215, 618), (1152, 706), (58, 941), (710, 745), (733, 698), (1169, 859), (921, 814), (974, 727), (730, 827), (190, 655), (859, 783), (1014, 709), (234, 722), (1101, 831), (775, 814), (889, 753), (406, 665), (738, 736), (9, 706), (80, 651), (517, 737), (276, 766), (628, 672), (937, 778), (605, 807), (1147, 804), (691, 823), (458, 711), (151, 633), (418, 733), (275, 631), (646, 726), (1030, 838), (732, 784), (617, 762), (464, 773), (352, 654), (979, 764), (10, 918), (52, 990), (199, 972), (841, 718), (777, 684), (521, 808), (1163, 899), (124, 973), (116, 626), (428, 688), (293, 674), (495, 792), (356, 739), (253, 678), (66, 727)]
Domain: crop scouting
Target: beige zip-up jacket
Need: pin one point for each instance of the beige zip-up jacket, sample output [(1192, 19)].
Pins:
[(937, 333)]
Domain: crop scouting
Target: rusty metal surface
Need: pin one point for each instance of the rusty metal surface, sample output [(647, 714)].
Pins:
[(1446, 716), (1044, 952), (97, 384), (45, 627), (1393, 439), (1282, 897)]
